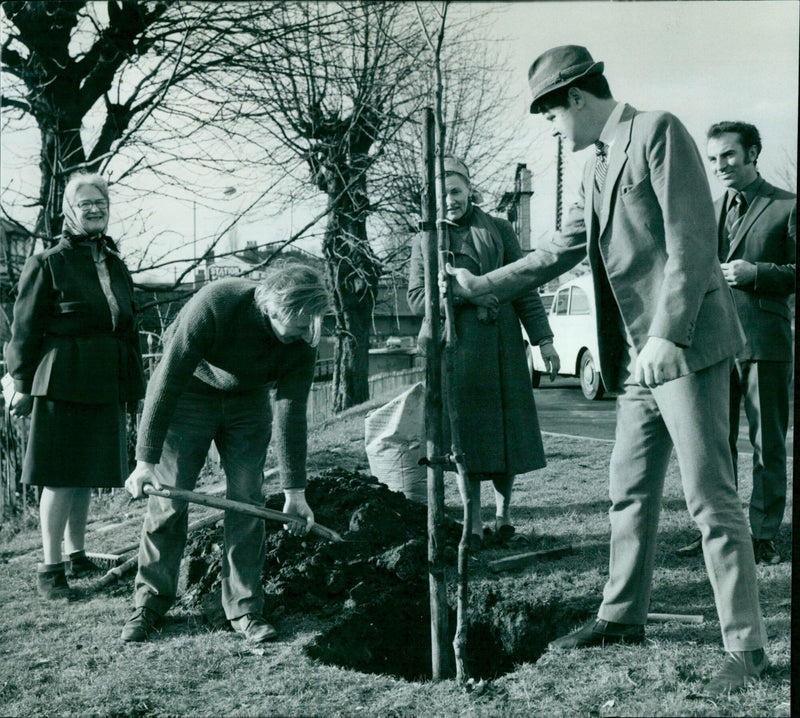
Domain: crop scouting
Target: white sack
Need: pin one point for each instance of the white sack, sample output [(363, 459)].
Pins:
[(394, 435)]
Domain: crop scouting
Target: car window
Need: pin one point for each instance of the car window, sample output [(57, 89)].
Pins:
[(562, 301), (579, 304)]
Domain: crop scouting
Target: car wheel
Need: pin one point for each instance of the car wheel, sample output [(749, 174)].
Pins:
[(591, 382), (536, 377)]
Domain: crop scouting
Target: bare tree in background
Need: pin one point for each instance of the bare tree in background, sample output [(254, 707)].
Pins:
[(118, 87), (334, 98), (785, 172), (344, 100), (475, 102), (164, 96)]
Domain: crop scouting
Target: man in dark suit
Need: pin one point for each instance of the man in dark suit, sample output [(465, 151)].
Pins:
[(667, 331), (757, 227)]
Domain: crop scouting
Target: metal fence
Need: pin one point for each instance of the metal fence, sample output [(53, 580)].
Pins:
[(13, 438)]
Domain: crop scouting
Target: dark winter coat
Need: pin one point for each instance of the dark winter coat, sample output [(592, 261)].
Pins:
[(63, 345), (499, 426)]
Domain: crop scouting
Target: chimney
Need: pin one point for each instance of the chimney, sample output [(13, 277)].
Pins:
[(524, 192), (233, 239)]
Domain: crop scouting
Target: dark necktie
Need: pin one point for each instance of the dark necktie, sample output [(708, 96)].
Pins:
[(733, 218), (600, 166)]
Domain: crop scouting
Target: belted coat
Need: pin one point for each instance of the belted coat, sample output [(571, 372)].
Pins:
[(63, 345)]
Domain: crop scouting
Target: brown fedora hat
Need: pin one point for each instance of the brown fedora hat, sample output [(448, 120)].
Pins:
[(560, 66)]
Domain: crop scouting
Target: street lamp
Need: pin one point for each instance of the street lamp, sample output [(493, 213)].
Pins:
[(227, 192)]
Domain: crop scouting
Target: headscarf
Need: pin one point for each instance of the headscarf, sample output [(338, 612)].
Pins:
[(73, 226), (455, 166)]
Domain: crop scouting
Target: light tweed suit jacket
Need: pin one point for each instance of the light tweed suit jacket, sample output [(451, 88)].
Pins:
[(652, 248)]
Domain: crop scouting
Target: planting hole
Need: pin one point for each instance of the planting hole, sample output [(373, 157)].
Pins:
[(393, 636)]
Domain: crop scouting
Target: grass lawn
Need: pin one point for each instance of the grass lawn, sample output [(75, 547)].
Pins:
[(65, 658)]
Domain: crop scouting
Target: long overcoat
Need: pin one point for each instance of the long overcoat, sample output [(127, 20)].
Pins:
[(499, 427)]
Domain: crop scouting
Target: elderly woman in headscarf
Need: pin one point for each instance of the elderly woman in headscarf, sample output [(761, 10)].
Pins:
[(492, 386), (75, 359)]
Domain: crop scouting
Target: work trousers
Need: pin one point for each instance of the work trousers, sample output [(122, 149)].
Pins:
[(240, 425), (764, 388), (691, 415)]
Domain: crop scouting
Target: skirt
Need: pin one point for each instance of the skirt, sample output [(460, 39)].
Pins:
[(76, 445)]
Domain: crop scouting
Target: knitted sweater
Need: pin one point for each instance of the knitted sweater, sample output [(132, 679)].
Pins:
[(221, 340)]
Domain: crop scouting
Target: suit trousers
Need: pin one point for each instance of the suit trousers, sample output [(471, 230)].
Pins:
[(764, 387), (240, 425), (689, 414)]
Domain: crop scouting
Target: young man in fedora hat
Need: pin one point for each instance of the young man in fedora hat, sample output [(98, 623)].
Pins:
[(667, 330)]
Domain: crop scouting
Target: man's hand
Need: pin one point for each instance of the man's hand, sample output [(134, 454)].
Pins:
[(550, 358), (20, 404), (466, 284), (144, 473), (659, 361), (296, 504), (739, 272)]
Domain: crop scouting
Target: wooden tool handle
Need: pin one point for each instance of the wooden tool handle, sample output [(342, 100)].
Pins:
[(172, 492)]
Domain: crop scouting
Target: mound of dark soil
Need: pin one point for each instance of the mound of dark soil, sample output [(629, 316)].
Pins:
[(384, 552), (372, 588)]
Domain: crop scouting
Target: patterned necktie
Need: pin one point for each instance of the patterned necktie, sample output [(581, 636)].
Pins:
[(600, 166), (733, 218)]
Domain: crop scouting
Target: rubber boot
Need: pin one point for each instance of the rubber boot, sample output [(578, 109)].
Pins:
[(51, 581)]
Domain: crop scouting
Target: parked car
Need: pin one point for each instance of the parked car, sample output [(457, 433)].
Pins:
[(572, 319)]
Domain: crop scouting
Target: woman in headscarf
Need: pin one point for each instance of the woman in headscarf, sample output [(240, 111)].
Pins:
[(75, 359), (493, 395)]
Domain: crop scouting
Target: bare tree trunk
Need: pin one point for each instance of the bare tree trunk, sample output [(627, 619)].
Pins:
[(61, 151), (456, 451), (450, 389), (353, 271), (456, 455), (441, 661)]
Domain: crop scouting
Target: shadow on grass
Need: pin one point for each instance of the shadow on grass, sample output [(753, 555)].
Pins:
[(508, 625), (599, 508)]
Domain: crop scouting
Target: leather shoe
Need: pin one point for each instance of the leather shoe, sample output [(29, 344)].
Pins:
[(739, 669), (504, 532), (600, 633), (81, 565), (765, 552), (142, 624), (693, 548), (254, 628)]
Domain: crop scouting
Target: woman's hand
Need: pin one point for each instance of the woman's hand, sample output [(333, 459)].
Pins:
[(20, 404), (296, 504), (144, 473), (550, 358)]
